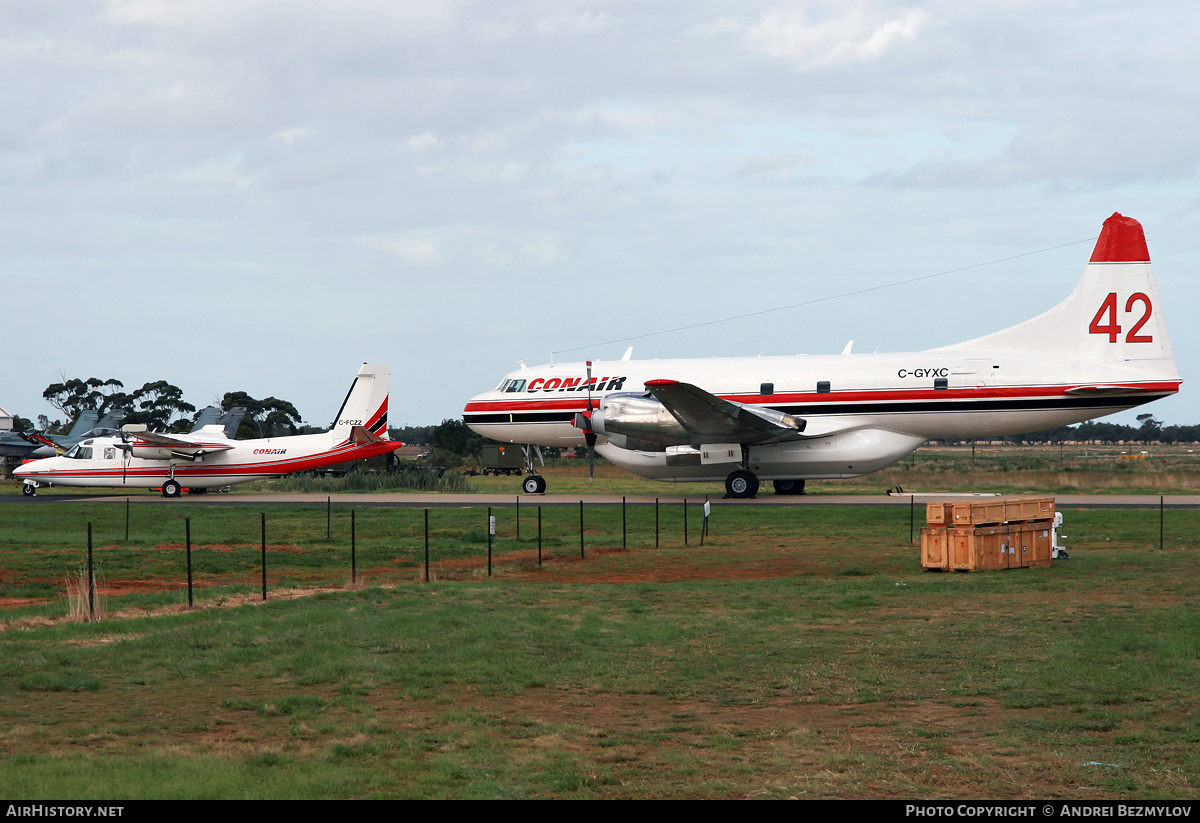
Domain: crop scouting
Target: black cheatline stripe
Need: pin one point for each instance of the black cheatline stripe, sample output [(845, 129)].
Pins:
[(521, 417), (895, 407)]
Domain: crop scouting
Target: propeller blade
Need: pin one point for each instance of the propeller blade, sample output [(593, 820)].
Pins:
[(589, 384), (589, 437)]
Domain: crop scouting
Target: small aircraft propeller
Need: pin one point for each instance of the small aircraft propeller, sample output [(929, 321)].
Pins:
[(589, 436), (127, 452)]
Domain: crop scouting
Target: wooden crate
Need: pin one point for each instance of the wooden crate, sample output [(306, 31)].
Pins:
[(986, 548), (933, 548), (962, 550), (1028, 509), (989, 512), (939, 514), (977, 513), (1033, 544)]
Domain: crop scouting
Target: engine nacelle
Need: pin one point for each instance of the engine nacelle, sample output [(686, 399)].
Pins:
[(639, 417)]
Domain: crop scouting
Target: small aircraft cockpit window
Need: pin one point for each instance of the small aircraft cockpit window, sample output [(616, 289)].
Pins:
[(79, 452), (823, 387), (503, 385), (515, 385), (766, 388)]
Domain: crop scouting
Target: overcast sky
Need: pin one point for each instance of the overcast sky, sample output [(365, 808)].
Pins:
[(259, 196)]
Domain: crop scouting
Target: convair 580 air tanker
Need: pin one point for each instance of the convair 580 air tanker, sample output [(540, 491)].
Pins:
[(1102, 350)]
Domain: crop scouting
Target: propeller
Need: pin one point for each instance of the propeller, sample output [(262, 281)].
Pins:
[(127, 452), (589, 436)]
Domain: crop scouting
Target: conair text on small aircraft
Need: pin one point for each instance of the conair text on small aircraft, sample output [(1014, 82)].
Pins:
[(1102, 350), (206, 459)]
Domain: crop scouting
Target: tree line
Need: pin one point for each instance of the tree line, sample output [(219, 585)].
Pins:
[(161, 407), (1148, 430)]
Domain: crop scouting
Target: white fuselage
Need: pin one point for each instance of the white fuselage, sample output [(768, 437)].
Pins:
[(104, 463)]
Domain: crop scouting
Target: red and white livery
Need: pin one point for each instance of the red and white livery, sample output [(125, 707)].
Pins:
[(1102, 350), (207, 458)]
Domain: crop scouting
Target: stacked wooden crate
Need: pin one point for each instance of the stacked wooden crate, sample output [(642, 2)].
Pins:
[(1000, 533)]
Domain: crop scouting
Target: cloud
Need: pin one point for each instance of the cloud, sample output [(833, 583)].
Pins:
[(851, 38)]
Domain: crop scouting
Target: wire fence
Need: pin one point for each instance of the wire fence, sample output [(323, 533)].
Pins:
[(219, 550)]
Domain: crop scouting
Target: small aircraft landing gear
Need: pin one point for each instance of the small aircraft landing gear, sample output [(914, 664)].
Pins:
[(788, 486), (171, 488), (741, 484), (28, 489)]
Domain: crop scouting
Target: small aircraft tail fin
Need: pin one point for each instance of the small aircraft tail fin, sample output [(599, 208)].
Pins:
[(1113, 316), (231, 421), (86, 421), (112, 419), (365, 405)]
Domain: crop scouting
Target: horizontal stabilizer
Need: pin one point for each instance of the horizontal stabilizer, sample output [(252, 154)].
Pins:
[(361, 437), (1102, 390)]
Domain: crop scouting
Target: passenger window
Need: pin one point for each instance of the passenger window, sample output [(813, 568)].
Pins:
[(941, 383), (110, 453), (823, 387), (766, 388)]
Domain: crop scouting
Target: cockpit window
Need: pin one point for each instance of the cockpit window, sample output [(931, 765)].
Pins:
[(503, 385), (515, 385), (79, 452)]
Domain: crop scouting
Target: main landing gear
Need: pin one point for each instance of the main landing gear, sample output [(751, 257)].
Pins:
[(171, 488), (742, 483), (788, 486)]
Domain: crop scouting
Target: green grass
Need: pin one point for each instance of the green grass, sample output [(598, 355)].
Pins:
[(798, 653)]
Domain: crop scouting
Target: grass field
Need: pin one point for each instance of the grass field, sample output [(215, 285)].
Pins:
[(798, 653)]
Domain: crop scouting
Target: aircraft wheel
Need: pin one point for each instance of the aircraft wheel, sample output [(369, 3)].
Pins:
[(28, 489), (534, 484), (741, 484), (171, 488), (788, 486)]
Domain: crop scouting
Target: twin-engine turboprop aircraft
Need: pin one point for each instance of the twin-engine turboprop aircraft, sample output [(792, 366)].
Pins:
[(1102, 350), (207, 458)]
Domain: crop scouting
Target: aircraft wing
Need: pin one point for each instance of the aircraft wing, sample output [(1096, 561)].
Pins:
[(705, 415), (152, 440)]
